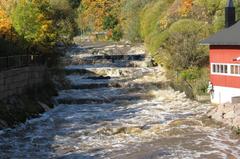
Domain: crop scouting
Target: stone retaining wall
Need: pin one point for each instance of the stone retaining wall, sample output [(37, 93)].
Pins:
[(16, 81), (228, 114)]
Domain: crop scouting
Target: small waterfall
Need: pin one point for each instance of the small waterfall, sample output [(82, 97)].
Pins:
[(118, 107)]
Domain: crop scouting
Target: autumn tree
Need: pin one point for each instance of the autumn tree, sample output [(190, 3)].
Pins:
[(186, 7), (93, 12), (8, 5), (64, 14), (5, 25), (32, 24)]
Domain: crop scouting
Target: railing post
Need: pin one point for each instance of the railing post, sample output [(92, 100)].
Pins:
[(7, 63)]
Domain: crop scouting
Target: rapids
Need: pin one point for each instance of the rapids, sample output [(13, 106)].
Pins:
[(118, 108)]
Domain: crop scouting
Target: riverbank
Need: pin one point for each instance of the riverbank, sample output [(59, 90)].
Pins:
[(228, 114)]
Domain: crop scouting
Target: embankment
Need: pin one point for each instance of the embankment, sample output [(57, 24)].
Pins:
[(228, 114), (24, 93)]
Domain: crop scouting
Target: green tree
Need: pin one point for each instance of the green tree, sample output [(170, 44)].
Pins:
[(130, 18), (74, 3), (64, 14), (117, 33), (32, 24), (182, 45), (110, 22)]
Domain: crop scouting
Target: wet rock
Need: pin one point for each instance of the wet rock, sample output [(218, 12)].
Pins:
[(226, 108), (3, 124), (127, 130), (211, 112), (44, 106), (218, 116)]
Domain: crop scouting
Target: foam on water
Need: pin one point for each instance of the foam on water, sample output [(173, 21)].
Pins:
[(168, 125)]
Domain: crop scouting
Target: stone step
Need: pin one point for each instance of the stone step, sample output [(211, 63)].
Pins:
[(107, 71), (130, 80), (119, 64), (101, 100), (106, 63), (114, 60), (133, 57), (98, 78), (82, 82), (91, 93), (102, 95), (90, 86), (123, 84)]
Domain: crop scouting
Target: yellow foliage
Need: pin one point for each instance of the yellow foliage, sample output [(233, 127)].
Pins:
[(94, 12), (7, 5), (164, 22)]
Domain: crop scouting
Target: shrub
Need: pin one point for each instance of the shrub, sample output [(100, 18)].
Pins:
[(110, 22), (182, 45), (117, 33)]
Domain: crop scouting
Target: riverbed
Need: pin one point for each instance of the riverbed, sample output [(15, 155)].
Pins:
[(118, 107)]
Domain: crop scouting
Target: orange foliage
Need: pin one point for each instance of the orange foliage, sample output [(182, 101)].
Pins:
[(7, 5), (5, 25), (186, 7), (94, 12)]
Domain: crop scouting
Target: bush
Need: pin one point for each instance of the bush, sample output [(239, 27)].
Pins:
[(201, 83), (110, 22), (193, 81), (117, 33), (182, 45)]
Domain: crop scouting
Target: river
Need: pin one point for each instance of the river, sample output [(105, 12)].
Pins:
[(118, 108)]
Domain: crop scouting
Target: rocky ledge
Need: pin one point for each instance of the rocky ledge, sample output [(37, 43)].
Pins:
[(228, 114)]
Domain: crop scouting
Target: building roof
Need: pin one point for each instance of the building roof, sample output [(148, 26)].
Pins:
[(228, 36)]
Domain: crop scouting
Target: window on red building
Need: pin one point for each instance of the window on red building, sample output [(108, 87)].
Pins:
[(220, 68)]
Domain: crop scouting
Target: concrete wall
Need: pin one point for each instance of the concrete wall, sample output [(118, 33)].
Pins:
[(16, 81), (224, 95)]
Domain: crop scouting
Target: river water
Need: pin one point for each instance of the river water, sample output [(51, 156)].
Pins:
[(118, 111)]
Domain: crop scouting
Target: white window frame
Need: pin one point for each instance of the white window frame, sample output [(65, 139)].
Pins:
[(228, 69)]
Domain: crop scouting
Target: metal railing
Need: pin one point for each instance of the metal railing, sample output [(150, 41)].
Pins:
[(17, 61)]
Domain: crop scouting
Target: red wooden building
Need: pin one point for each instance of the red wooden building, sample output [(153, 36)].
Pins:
[(225, 59)]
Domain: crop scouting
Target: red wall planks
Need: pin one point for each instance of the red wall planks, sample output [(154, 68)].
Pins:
[(225, 54), (225, 81)]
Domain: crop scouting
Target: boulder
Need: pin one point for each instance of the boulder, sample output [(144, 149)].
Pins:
[(218, 116), (236, 121), (225, 108), (229, 115), (44, 106)]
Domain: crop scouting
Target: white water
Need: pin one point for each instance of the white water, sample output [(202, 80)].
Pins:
[(167, 125)]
